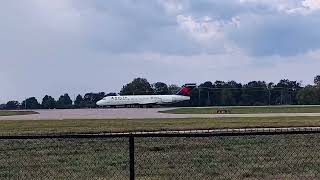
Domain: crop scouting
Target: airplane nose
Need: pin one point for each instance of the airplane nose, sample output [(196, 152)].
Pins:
[(99, 103)]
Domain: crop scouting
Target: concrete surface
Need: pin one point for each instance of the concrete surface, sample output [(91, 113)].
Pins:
[(131, 113)]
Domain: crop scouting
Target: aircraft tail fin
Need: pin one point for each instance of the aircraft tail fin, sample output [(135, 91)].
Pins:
[(186, 89)]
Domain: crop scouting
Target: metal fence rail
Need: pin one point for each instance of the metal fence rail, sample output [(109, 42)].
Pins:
[(239, 154)]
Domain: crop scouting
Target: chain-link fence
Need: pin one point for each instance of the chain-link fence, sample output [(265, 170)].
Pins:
[(60, 158), (257, 155)]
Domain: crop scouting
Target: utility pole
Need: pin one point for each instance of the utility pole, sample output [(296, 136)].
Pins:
[(290, 93), (25, 104)]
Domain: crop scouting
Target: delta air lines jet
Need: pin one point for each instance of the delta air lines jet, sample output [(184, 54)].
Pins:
[(182, 95)]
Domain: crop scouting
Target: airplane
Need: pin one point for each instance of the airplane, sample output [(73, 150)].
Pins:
[(148, 100)]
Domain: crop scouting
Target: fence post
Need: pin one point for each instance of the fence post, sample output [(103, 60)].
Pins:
[(131, 157)]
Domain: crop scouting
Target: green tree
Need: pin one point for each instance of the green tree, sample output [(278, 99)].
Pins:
[(205, 93), (173, 89), (160, 88), (285, 92), (64, 102), (255, 93), (218, 93), (12, 105), (112, 94), (317, 80), (31, 103), (217, 89), (79, 102), (138, 86), (309, 95), (227, 98), (90, 99), (235, 92), (48, 102)]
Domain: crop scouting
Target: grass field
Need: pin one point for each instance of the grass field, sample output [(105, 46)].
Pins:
[(249, 157), (247, 110), (14, 113), (239, 157), (117, 125)]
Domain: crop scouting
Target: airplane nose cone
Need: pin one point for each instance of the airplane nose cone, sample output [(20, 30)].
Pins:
[(99, 103)]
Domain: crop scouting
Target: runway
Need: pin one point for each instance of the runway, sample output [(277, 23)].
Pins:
[(132, 113)]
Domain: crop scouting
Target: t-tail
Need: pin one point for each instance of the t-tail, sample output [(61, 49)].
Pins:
[(186, 89)]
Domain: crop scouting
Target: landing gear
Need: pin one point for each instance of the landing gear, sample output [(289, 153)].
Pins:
[(146, 106), (142, 106)]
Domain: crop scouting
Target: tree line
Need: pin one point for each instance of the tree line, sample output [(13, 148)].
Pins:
[(218, 93)]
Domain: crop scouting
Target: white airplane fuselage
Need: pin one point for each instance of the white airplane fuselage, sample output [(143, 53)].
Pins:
[(141, 100)]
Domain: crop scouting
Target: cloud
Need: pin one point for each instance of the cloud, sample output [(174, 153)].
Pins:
[(276, 34), (311, 4), (202, 30), (173, 6), (78, 46), (209, 33), (268, 6), (306, 7)]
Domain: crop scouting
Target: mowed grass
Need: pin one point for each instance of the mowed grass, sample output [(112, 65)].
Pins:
[(12, 127), (64, 159), (247, 110), (14, 113), (242, 157)]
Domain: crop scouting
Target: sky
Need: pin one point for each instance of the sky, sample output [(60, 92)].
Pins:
[(78, 46)]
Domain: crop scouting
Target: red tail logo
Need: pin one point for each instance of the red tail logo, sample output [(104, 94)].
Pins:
[(186, 90)]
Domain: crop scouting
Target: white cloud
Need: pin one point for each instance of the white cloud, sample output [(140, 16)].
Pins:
[(206, 30), (173, 6), (202, 30), (307, 7), (279, 5), (209, 33), (311, 4), (315, 54), (304, 7)]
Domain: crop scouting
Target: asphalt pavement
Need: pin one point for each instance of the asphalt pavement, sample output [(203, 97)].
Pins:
[(132, 113)]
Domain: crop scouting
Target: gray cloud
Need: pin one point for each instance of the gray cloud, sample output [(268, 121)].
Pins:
[(278, 34), (53, 47)]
